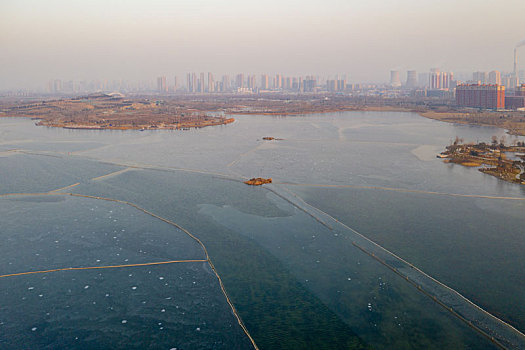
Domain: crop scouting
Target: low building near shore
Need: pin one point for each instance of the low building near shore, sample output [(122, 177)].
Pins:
[(516, 101)]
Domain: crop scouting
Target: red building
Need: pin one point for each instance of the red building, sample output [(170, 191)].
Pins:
[(480, 96), (518, 100)]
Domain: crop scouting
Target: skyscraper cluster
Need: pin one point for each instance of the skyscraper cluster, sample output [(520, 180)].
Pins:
[(509, 80), (249, 83), (440, 80), (58, 86)]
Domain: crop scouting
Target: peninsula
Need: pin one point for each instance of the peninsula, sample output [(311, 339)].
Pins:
[(112, 111)]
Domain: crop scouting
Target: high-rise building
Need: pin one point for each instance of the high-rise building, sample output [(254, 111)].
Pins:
[(161, 84), (435, 79), (411, 79), (251, 82), (480, 96), (331, 85), (395, 80), (192, 82), (202, 83), (175, 84), (309, 84), (336, 85), (226, 85), (444, 80), (513, 81), (494, 77), (341, 84), (57, 85), (295, 84), (480, 77), (278, 82), (439, 80), (211, 84), (189, 82), (239, 81), (288, 83), (265, 84)]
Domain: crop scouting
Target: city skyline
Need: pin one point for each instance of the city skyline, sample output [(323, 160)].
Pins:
[(433, 79), (136, 40)]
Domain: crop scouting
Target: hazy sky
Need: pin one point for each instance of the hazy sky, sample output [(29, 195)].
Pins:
[(138, 40)]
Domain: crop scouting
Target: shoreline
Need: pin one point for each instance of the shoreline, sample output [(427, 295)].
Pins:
[(106, 112), (151, 126), (515, 128)]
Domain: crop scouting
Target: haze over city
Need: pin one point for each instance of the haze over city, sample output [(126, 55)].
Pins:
[(139, 40), (249, 174)]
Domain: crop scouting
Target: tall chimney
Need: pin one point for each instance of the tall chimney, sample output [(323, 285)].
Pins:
[(515, 62)]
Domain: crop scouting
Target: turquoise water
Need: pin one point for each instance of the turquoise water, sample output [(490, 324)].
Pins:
[(294, 280)]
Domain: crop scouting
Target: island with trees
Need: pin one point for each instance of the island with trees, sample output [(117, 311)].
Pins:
[(497, 159)]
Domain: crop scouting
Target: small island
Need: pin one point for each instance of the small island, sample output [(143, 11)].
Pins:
[(271, 138), (258, 181), (504, 162)]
